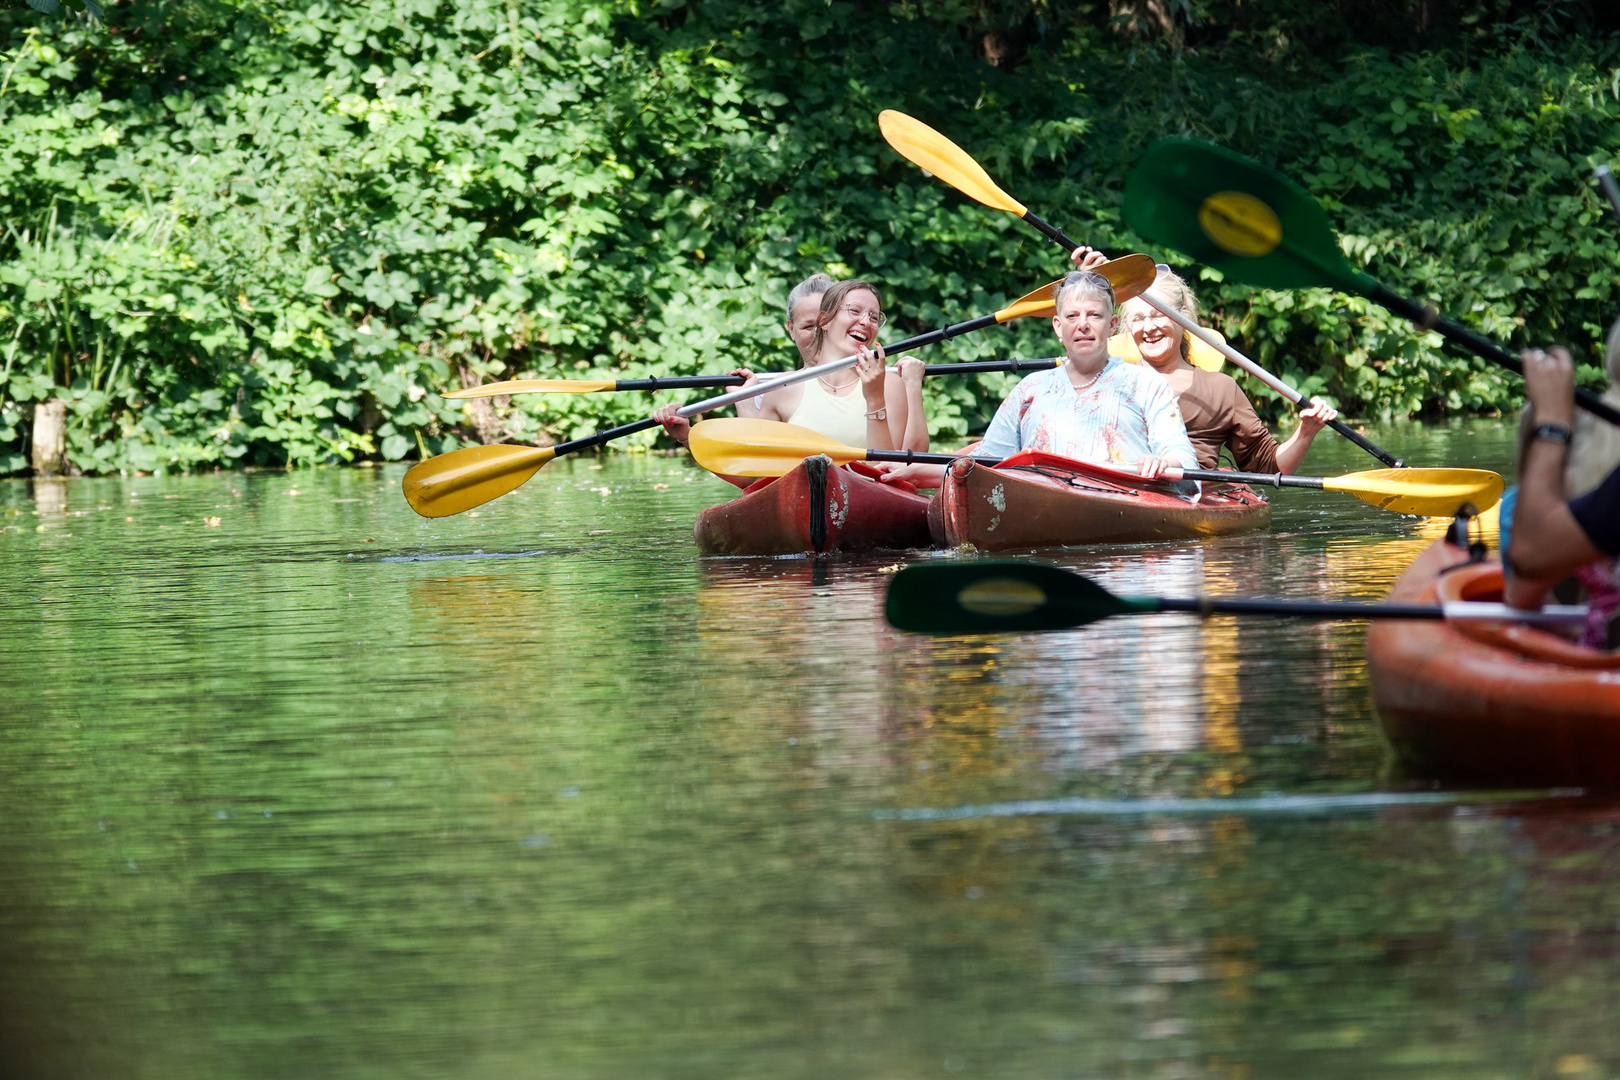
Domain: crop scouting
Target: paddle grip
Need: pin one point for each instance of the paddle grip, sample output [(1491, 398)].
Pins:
[(1428, 318)]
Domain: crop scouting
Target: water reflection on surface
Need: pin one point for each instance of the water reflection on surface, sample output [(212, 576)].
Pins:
[(328, 789)]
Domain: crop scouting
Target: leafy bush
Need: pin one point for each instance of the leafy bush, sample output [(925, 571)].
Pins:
[(283, 248)]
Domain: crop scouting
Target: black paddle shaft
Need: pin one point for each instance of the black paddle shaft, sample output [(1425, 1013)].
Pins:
[(1058, 236), (1310, 609), (601, 437), (1429, 319), (973, 366), (678, 382), (1278, 480)]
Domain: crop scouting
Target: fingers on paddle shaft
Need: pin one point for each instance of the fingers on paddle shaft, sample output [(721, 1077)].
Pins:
[(995, 596), (462, 479)]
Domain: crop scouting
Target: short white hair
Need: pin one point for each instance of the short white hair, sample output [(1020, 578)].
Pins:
[(814, 285), (1084, 281)]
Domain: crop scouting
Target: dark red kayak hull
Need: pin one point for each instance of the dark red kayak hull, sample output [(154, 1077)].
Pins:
[(816, 508), (1037, 500)]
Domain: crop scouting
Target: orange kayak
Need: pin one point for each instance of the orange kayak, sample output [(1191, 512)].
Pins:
[(816, 508), (1486, 701), (1036, 500)]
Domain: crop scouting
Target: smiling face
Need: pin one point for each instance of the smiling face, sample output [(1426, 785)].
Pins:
[(1084, 322), (801, 326), (849, 322), (1157, 338)]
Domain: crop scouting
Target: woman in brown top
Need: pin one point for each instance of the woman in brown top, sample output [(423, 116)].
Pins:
[(1214, 408)]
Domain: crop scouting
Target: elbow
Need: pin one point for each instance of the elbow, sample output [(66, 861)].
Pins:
[(1529, 559)]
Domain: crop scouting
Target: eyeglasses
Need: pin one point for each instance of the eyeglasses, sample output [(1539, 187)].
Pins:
[(877, 317), (1139, 316)]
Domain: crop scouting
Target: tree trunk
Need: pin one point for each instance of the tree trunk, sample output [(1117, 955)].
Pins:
[(481, 410), (50, 438)]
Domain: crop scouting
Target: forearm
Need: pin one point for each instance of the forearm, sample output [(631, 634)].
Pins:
[(913, 432), (1291, 454), (879, 435), (1547, 541)]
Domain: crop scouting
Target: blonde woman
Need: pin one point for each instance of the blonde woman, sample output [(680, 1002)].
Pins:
[(1216, 411)]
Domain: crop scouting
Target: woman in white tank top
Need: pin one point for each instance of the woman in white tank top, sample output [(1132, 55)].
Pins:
[(868, 406)]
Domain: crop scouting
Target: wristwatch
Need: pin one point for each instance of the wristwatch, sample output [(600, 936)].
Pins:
[(1552, 433)]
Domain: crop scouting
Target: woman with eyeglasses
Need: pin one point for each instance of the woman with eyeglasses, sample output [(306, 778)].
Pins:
[(868, 406), (1216, 411)]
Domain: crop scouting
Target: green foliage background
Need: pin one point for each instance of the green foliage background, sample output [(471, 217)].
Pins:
[(265, 233)]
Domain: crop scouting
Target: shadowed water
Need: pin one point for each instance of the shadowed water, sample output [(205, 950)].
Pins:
[(325, 789)]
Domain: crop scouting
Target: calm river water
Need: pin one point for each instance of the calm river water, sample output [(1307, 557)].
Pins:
[(298, 784)]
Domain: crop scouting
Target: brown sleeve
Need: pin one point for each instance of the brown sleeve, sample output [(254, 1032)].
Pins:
[(1253, 447)]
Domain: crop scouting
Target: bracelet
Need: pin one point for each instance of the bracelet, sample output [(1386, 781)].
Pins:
[(1552, 433), (883, 414)]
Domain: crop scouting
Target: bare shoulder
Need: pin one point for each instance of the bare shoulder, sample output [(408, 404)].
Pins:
[(782, 403)]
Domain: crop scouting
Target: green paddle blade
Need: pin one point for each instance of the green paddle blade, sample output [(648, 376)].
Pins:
[(1230, 212), (998, 596)]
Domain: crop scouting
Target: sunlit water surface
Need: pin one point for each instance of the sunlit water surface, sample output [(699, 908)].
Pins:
[(299, 784)]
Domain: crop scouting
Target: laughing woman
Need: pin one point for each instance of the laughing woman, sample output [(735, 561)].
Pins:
[(868, 406), (1215, 409)]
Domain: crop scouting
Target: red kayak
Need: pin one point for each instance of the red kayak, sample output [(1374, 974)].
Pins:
[(1488, 701), (1037, 500), (818, 507)]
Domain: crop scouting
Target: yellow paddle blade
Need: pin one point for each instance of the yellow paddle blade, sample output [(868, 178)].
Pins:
[(1130, 275), (922, 145), (1038, 302), (462, 479), (733, 446), (1204, 354), (1426, 492), (534, 386)]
